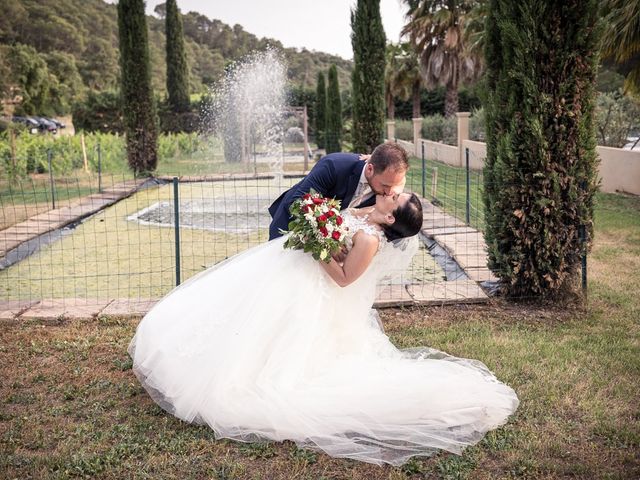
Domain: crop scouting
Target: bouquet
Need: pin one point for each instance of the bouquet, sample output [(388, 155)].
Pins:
[(316, 227)]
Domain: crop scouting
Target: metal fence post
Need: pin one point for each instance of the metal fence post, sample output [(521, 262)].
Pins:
[(53, 192), (424, 173), (99, 169), (583, 241), (176, 215), (468, 199), (582, 232)]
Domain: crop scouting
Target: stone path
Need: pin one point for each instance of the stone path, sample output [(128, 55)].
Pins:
[(463, 243), (55, 219)]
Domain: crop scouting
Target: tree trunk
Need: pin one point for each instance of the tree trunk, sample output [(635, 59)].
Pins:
[(391, 107), (451, 100), (416, 100)]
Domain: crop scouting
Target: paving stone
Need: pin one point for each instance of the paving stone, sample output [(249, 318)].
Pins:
[(11, 308), (46, 310), (126, 306), (452, 230), (14, 236), (441, 221), (471, 260), (481, 275), (391, 296), (461, 291), (81, 308)]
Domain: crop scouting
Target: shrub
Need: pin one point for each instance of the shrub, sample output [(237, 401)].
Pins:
[(100, 112), (404, 130), (477, 125), (437, 128), (617, 116)]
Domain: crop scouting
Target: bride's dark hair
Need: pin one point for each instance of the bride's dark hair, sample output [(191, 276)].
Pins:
[(408, 220)]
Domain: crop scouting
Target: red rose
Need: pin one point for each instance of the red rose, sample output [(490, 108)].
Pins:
[(306, 196), (305, 208), (331, 213), (324, 231), (336, 235), (317, 201), (339, 220), (322, 218)]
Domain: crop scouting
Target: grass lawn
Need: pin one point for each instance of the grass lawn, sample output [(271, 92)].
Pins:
[(447, 186), (70, 406)]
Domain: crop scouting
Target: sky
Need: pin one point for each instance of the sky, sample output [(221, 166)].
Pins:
[(320, 25)]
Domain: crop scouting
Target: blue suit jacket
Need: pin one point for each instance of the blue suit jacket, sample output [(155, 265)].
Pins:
[(335, 175)]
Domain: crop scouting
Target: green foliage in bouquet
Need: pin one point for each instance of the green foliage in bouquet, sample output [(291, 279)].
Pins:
[(316, 226)]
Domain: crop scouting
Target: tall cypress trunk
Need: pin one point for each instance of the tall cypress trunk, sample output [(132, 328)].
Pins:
[(137, 96), (368, 41), (177, 71), (321, 111), (333, 140), (541, 167)]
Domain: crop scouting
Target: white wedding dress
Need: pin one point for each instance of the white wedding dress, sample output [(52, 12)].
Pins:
[(266, 346)]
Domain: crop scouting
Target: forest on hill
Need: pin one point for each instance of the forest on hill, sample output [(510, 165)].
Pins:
[(61, 51)]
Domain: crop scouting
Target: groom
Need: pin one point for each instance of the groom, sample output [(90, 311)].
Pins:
[(347, 178)]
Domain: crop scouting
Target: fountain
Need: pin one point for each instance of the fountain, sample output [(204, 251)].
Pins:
[(247, 110)]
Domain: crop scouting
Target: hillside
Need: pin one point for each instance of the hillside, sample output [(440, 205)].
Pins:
[(72, 45)]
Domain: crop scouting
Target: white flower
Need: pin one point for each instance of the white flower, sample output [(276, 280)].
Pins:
[(323, 254)]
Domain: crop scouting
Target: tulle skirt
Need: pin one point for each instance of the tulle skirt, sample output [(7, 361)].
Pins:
[(267, 346)]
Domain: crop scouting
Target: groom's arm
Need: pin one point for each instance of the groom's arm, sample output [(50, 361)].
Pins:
[(321, 178)]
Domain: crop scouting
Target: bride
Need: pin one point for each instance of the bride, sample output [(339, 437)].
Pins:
[(271, 344)]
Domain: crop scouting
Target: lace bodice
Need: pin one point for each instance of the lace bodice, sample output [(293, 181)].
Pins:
[(357, 223)]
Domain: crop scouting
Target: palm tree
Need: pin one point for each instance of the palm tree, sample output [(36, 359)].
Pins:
[(621, 41), (436, 29), (402, 77)]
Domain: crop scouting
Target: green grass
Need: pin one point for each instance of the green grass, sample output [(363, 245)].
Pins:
[(449, 185), (70, 406)]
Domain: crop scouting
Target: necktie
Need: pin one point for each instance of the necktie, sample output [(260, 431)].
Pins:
[(362, 192)]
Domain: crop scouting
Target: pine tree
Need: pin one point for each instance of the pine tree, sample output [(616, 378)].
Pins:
[(540, 173), (177, 69), (333, 139), (369, 43), (321, 111), (137, 95)]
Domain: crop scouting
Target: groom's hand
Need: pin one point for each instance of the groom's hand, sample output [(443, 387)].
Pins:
[(340, 255)]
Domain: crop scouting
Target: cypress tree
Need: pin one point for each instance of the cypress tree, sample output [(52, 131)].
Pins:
[(541, 166), (369, 42), (333, 138), (177, 70), (137, 96), (321, 111)]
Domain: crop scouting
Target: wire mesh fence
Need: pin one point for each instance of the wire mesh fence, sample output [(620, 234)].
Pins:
[(114, 237)]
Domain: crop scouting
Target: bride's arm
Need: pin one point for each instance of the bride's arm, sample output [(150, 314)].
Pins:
[(357, 260)]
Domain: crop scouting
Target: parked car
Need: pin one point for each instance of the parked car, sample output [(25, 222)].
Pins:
[(31, 124), (46, 125), (58, 123)]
